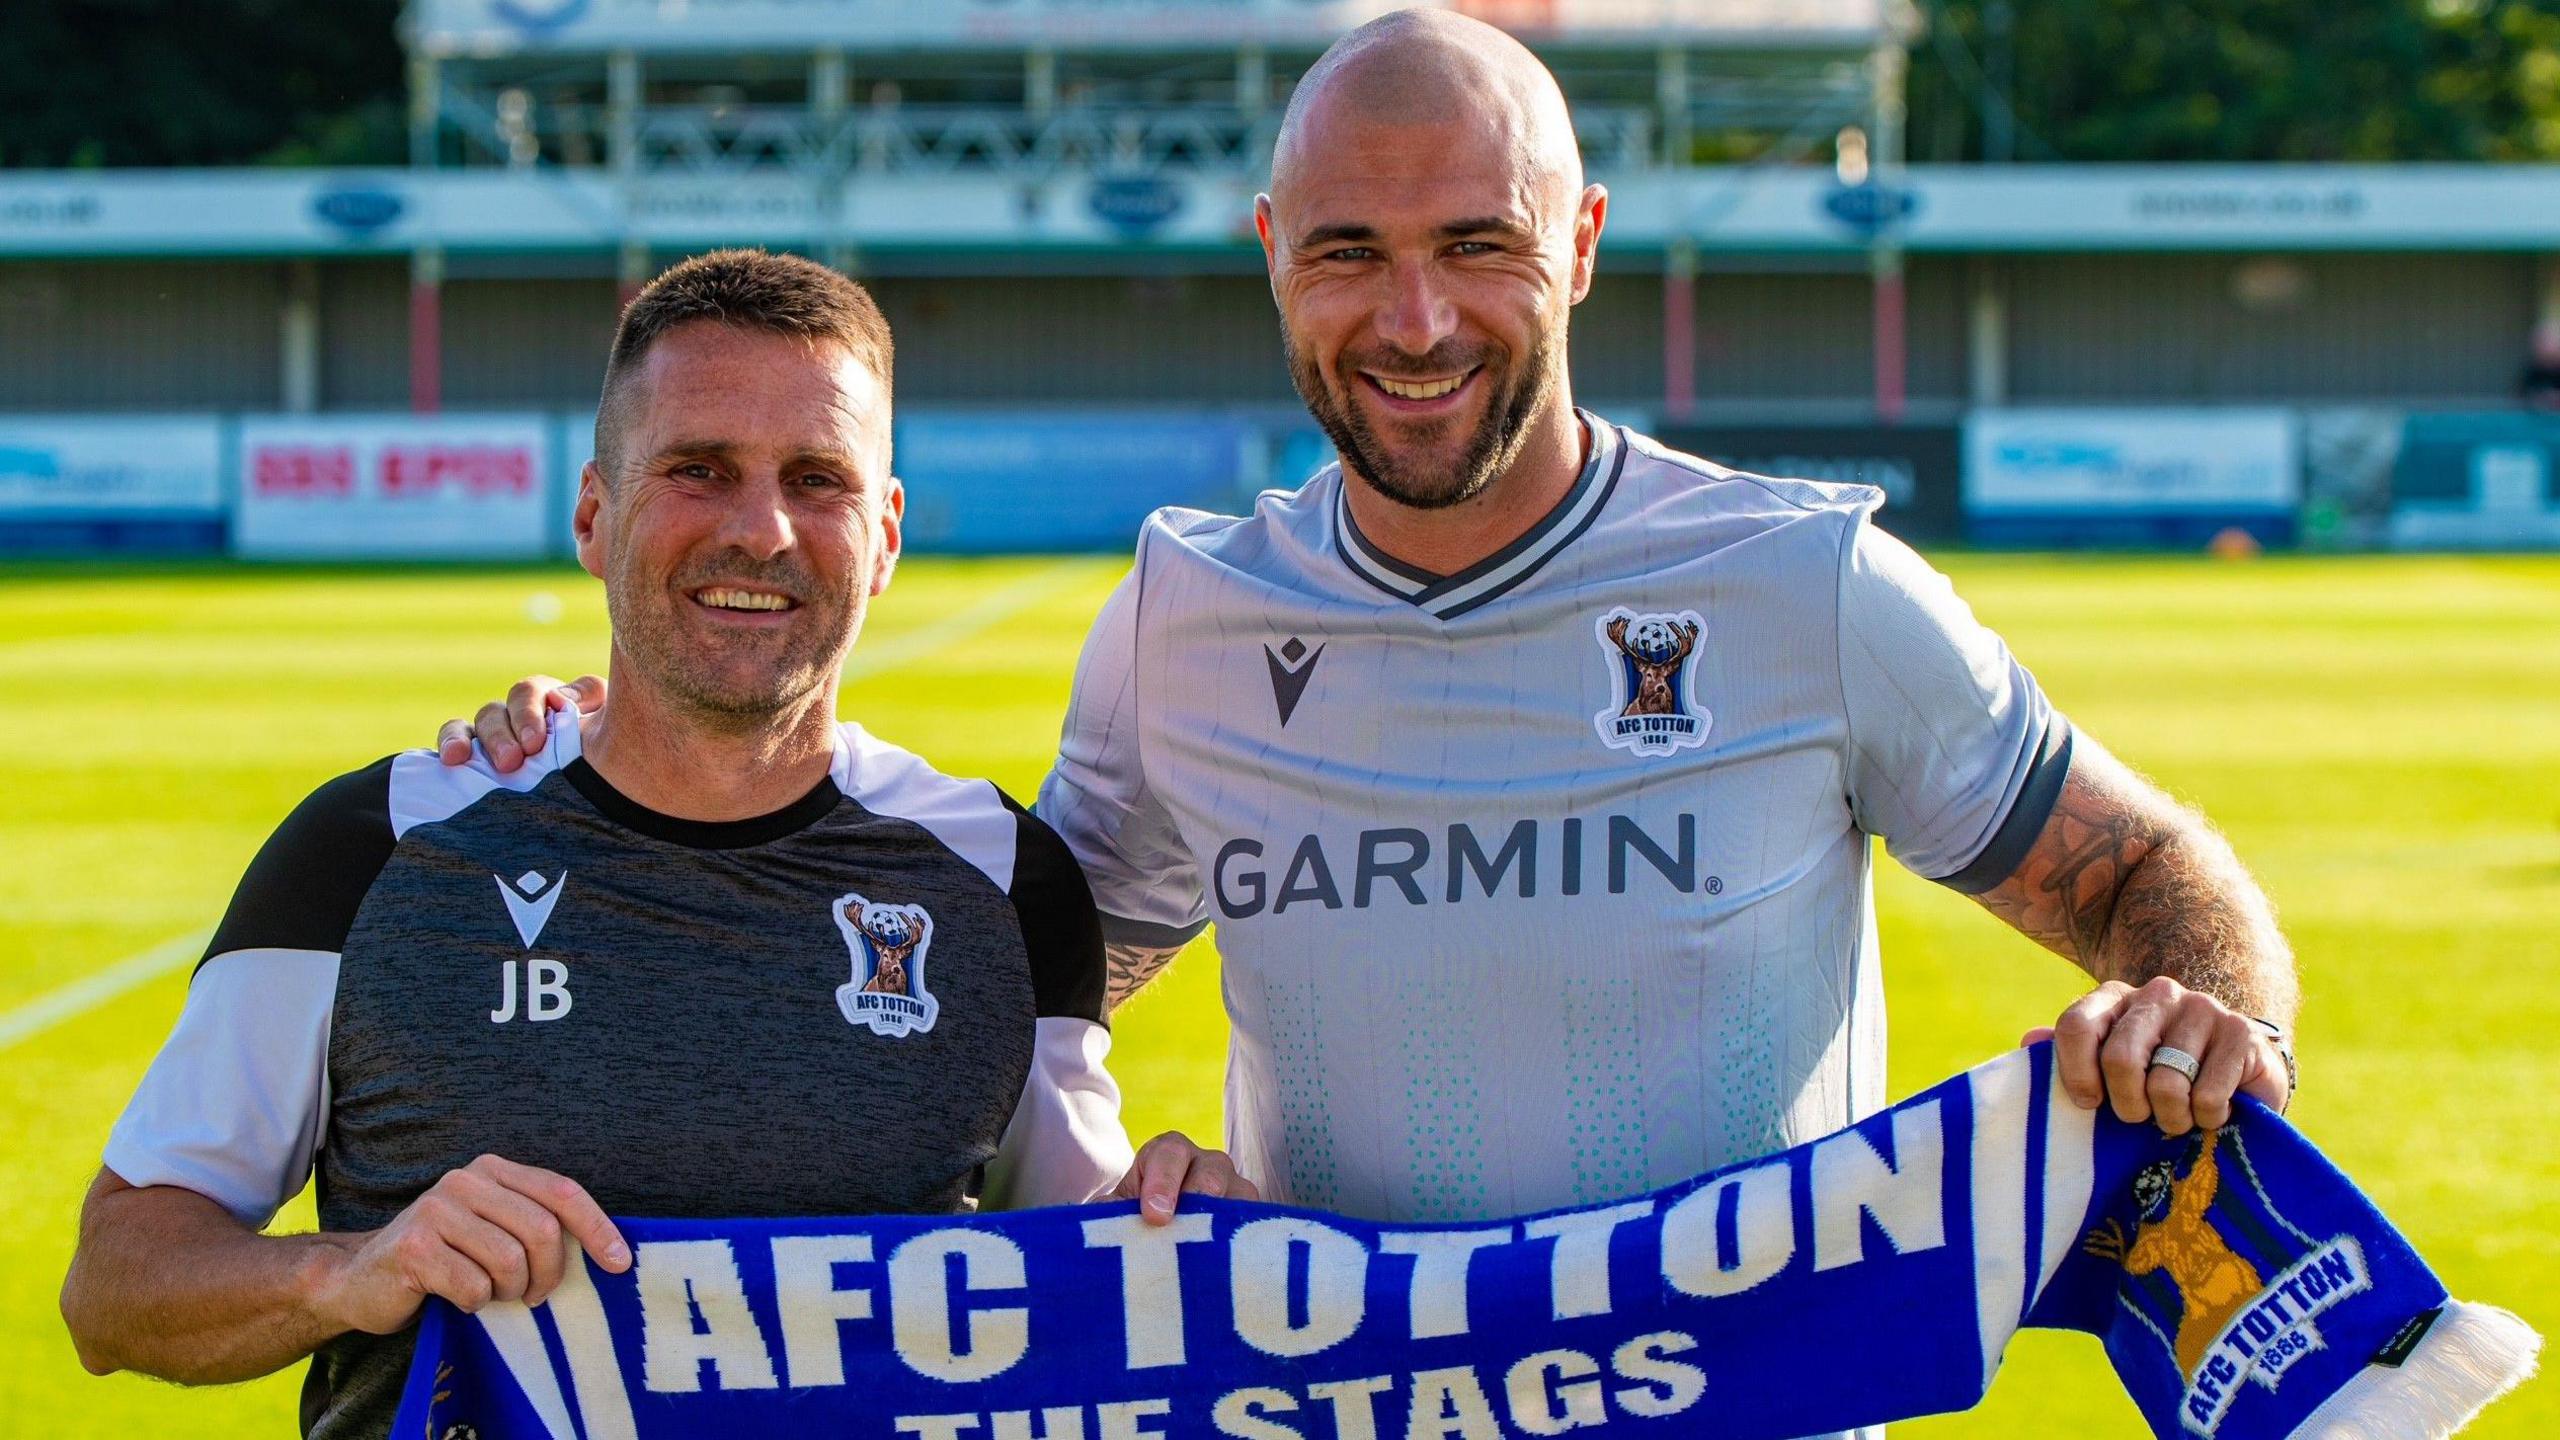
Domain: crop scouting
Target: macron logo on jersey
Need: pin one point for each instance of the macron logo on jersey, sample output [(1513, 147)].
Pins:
[(1292, 666), (530, 898)]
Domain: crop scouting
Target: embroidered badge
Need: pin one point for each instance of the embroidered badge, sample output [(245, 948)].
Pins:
[(1654, 710), (889, 943)]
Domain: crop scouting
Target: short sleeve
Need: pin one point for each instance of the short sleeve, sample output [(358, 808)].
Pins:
[(1065, 1144), (1144, 879), (1955, 755), (1061, 931), (235, 1105)]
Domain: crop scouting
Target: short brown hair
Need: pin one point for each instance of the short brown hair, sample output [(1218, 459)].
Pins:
[(753, 290)]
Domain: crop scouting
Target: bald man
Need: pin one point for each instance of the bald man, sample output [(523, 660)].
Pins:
[(1527, 767)]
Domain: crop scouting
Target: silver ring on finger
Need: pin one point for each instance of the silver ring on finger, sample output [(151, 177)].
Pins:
[(2171, 1057)]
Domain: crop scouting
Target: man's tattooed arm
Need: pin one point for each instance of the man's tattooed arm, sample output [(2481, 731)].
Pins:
[(1132, 966), (2131, 886)]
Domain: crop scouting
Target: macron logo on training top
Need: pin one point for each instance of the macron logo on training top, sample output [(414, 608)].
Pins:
[(1292, 666), (529, 899)]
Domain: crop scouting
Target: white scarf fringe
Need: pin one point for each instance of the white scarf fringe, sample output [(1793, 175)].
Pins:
[(2472, 1355)]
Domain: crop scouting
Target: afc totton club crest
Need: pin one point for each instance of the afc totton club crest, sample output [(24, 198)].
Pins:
[(888, 943), (1655, 708), (2220, 1278)]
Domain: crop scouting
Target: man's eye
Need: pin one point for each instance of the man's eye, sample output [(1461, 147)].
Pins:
[(1474, 247), (1351, 252), (820, 478), (694, 470)]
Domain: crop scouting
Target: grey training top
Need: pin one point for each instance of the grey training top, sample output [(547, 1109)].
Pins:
[(884, 998)]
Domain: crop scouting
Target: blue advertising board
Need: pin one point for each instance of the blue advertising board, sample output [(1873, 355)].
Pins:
[(2477, 482), (2130, 478), (136, 483), (1017, 481)]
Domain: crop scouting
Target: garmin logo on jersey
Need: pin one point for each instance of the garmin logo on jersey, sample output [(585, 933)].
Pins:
[(1406, 865), (1292, 666), (530, 898), (1655, 710)]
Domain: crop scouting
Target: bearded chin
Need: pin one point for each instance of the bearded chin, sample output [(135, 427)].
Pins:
[(1490, 451)]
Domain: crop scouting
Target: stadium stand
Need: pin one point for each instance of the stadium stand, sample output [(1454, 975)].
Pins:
[(1051, 200)]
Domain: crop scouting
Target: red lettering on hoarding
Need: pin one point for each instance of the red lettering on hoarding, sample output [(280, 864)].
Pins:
[(422, 470), (303, 470)]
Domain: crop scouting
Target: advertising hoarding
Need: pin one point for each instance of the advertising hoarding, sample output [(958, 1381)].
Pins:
[(1068, 481), (440, 487), (2477, 482), (1916, 466), (1938, 209), (2130, 477), (111, 482)]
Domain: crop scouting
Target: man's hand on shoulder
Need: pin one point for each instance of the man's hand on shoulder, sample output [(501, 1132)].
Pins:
[(509, 730), (2106, 1043), (1169, 1166), (492, 1230)]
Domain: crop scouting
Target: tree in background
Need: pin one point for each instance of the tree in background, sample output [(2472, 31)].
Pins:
[(201, 82), (2239, 80)]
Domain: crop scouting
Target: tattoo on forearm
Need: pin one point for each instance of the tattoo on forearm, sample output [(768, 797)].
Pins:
[(2064, 895), (1131, 966), (2129, 886)]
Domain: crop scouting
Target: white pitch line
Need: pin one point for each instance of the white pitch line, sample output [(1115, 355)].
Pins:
[(91, 991), (895, 650)]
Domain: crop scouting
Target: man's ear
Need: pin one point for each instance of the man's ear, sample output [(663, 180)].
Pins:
[(585, 524), (1590, 216), (1270, 236), (893, 519)]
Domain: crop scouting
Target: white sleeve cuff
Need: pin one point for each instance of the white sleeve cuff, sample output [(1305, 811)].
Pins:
[(234, 1105), (1065, 1144)]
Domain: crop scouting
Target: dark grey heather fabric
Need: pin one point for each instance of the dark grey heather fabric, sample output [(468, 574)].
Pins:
[(703, 1067)]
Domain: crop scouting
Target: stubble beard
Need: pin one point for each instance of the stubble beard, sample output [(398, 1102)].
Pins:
[(725, 696), (1495, 446)]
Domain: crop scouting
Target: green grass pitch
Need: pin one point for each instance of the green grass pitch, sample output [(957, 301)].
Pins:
[(2380, 737)]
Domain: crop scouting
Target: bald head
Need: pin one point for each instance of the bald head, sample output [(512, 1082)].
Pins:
[(1428, 234), (1436, 69)]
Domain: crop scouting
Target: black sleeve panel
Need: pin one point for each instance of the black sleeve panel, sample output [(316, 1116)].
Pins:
[(1061, 929), (303, 890), (2008, 849)]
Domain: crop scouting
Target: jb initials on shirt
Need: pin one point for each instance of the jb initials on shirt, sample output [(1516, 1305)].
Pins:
[(545, 990)]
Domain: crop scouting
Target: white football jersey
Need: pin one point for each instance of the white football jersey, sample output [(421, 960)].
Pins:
[(1547, 882)]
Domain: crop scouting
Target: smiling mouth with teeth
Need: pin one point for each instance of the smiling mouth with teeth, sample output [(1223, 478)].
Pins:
[(743, 600), (1418, 389)]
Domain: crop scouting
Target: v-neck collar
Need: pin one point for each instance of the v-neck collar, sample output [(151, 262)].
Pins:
[(1448, 596)]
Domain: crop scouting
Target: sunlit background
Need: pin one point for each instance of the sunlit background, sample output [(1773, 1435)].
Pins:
[(2214, 349)]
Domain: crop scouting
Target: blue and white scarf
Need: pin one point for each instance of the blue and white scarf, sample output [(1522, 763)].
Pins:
[(2241, 1285)]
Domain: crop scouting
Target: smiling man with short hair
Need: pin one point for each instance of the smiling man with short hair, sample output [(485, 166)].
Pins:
[(715, 954)]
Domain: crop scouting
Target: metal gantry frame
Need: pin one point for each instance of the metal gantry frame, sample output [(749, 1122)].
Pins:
[(1678, 108)]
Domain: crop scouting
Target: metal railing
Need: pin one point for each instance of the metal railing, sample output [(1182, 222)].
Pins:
[(1015, 143)]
